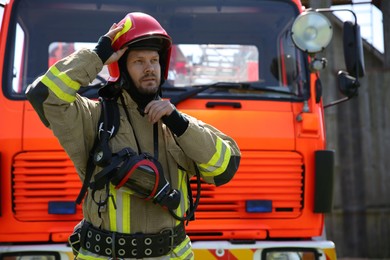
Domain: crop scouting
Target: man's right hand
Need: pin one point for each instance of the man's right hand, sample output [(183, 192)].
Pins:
[(111, 34)]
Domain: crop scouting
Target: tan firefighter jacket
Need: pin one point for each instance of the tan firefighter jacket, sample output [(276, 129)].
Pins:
[(74, 121)]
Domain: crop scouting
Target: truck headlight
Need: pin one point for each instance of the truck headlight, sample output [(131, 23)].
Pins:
[(290, 254), (311, 32), (36, 255)]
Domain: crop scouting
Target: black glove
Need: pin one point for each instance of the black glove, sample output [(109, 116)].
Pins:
[(103, 48)]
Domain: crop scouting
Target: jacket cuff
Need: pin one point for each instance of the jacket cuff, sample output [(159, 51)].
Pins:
[(103, 48), (176, 122)]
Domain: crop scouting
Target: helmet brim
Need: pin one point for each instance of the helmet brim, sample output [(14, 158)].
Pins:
[(156, 43)]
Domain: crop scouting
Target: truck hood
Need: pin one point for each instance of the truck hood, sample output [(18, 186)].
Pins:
[(253, 128)]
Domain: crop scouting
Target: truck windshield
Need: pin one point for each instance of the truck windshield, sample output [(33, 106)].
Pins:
[(235, 41)]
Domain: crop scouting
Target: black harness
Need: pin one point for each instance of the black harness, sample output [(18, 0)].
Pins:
[(100, 154)]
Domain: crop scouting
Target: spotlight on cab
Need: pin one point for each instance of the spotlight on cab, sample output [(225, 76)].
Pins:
[(311, 32)]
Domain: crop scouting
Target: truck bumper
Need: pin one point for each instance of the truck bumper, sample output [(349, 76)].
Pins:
[(320, 250)]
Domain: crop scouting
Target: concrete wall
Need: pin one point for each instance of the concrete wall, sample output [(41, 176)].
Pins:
[(359, 131)]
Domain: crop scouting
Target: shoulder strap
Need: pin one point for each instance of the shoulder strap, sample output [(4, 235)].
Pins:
[(100, 153), (88, 174), (107, 128)]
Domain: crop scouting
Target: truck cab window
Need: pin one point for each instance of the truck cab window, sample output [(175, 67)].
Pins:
[(190, 64), (194, 64), (18, 65), (1, 15)]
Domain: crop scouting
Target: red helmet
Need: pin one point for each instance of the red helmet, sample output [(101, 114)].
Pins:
[(141, 30)]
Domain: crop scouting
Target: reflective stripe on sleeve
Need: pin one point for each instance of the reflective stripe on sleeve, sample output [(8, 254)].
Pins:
[(219, 162), (61, 84)]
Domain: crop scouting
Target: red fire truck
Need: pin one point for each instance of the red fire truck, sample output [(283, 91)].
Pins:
[(250, 68)]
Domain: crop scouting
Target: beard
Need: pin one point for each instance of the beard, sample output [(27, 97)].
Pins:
[(142, 91), (148, 84)]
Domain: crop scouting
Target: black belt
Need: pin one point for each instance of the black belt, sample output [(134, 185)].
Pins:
[(138, 245)]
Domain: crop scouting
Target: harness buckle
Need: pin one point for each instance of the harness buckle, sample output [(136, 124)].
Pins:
[(101, 129), (172, 235)]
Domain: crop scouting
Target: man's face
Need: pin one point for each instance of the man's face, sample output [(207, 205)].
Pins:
[(145, 70)]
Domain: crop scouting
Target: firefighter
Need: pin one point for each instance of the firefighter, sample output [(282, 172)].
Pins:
[(138, 198)]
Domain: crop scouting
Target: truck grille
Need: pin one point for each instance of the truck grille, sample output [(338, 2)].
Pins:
[(40, 177), (275, 177)]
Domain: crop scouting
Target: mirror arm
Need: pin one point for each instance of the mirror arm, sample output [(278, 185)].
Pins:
[(327, 10), (341, 100)]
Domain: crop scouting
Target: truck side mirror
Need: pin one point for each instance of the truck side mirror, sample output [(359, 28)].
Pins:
[(348, 82), (353, 49)]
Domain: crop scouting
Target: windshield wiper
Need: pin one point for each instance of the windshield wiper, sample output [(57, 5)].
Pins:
[(230, 85)]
